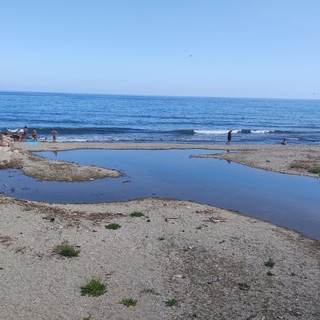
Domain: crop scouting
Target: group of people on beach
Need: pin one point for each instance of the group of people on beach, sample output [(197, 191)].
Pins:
[(22, 135)]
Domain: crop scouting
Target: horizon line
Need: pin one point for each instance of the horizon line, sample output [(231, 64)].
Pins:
[(150, 95)]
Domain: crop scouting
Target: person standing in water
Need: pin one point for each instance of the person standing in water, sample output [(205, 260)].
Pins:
[(35, 134), (25, 134), (54, 135), (229, 137)]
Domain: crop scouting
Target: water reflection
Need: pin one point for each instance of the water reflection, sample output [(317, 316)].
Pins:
[(286, 200)]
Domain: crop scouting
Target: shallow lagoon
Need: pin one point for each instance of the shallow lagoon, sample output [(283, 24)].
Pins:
[(286, 200)]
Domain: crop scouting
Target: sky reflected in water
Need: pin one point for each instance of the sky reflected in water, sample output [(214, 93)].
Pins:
[(285, 200)]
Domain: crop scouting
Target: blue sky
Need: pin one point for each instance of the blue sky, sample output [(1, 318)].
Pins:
[(230, 48)]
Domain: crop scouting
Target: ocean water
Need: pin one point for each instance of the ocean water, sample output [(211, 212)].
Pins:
[(120, 118)]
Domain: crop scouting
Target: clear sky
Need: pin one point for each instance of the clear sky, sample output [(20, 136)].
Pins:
[(229, 48)]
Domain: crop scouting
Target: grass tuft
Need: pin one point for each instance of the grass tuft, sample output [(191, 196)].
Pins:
[(171, 303), (67, 250), (315, 170), (270, 263), (137, 214), (94, 288), (129, 302), (112, 226)]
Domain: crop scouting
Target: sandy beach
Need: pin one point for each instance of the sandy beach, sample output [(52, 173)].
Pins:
[(178, 260)]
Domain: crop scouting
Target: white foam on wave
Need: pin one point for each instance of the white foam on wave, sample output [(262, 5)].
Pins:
[(215, 131), (14, 130), (71, 139), (261, 131), (92, 138)]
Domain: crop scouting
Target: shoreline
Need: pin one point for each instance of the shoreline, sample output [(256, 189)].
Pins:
[(211, 261)]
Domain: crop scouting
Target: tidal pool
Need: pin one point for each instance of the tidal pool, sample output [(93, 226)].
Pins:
[(286, 200)]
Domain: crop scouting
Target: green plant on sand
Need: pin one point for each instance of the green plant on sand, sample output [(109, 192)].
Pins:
[(270, 263), (67, 250), (171, 302), (112, 226), (137, 214), (315, 170), (129, 302), (93, 288)]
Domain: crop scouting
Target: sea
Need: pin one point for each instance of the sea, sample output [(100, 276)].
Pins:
[(161, 119)]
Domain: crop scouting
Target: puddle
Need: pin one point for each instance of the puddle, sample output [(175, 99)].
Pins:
[(286, 200)]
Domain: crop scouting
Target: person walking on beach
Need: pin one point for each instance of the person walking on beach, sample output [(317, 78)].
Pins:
[(35, 134), (54, 135), (229, 137)]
